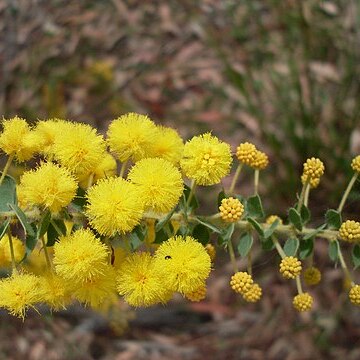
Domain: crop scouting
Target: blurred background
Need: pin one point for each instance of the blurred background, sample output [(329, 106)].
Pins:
[(283, 74)]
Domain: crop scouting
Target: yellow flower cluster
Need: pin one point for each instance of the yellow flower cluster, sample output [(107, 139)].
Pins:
[(231, 209), (197, 295), (241, 282), (210, 249), (312, 276), (290, 267), (350, 231), (355, 164), (354, 295), (254, 294), (272, 218), (303, 302), (248, 154), (313, 170)]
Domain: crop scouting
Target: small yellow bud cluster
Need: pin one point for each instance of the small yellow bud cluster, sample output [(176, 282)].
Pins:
[(241, 282), (355, 164), (231, 209), (272, 218), (210, 249), (254, 294), (354, 295), (197, 295), (290, 267), (303, 302), (312, 276), (261, 160), (313, 170), (248, 154), (350, 231)]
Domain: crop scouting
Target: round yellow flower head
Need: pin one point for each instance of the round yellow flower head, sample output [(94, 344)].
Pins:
[(19, 292), (80, 149), (19, 250), (354, 295), (231, 209), (314, 182), (197, 295), (312, 276), (272, 218), (115, 205), (141, 282), (303, 302), (168, 145), (355, 164), (17, 139), (36, 262), (246, 153), (350, 231), (260, 161), (97, 290), (313, 168), (160, 183), (206, 159), (185, 263), (241, 282), (254, 294), (290, 267), (80, 257), (210, 249), (49, 186), (119, 256), (131, 136)]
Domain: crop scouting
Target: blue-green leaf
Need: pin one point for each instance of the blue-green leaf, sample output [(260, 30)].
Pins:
[(245, 244), (306, 248), (295, 218), (7, 193), (333, 219), (291, 246), (254, 207), (270, 230), (355, 255), (256, 226), (334, 250)]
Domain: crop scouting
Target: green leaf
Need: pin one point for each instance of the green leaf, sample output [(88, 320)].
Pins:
[(29, 230), (221, 196), (306, 248), (201, 233), (267, 244), (295, 218), (137, 237), (4, 227), (355, 255), (163, 221), (79, 200), (227, 232), (193, 202), (312, 234), (245, 244), (333, 219), (270, 230), (162, 236), (30, 242), (291, 246), (334, 250), (44, 224), (256, 226), (52, 234), (7, 193), (209, 225), (254, 207), (305, 214)]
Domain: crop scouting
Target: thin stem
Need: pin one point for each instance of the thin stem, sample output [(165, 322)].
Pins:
[(123, 168), (306, 197), (12, 254), (192, 191), (344, 267), (232, 257), (302, 195), (235, 178), (47, 256), (53, 223), (256, 181), (90, 180), (278, 247), (6, 168), (347, 192), (298, 285), (249, 263)]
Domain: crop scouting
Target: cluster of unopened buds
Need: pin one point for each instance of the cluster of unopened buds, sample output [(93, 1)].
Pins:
[(98, 217)]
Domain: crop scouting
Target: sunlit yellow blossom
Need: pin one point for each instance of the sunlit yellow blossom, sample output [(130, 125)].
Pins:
[(206, 159), (260, 161), (17, 139), (314, 182), (141, 282), (131, 136), (168, 145), (80, 149), (19, 292), (254, 294), (159, 182), (197, 295), (303, 302), (246, 153), (354, 295), (313, 168), (355, 164), (19, 250), (98, 289), (185, 262), (80, 256), (49, 186), (350, 231), (231, 209), (290, 267), (241, 282), (115, 205)]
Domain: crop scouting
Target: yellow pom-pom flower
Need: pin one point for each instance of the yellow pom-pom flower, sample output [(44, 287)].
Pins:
[(231, 209), (312, 276), (354, 295), (185, 262), (159, 182), (168, 145), (141, 282), (20, 292), (241, 282), (313, 169), (246, 153), (254, 294), (303, 302), (49, 186), (197, 295), (80, 149), (80, 257), (206, 159), (131, 136), (355, 164), (260, 161), (210, 249), (19, 250), (114, 205), (272, 218), (350, 231), (17, 139), (314, 182), (290, 267)]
